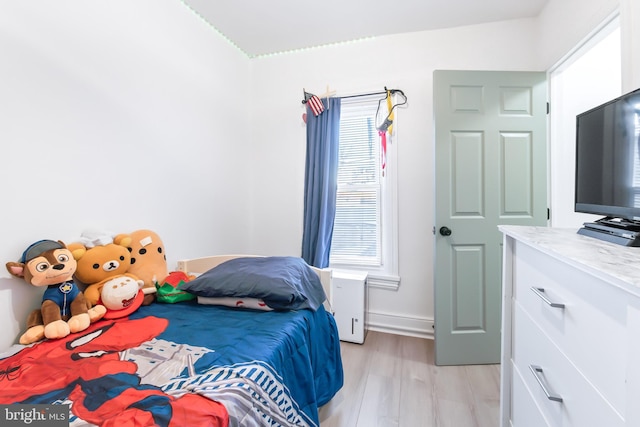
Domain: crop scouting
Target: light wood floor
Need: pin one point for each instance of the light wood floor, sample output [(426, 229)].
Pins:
[(392, 380)]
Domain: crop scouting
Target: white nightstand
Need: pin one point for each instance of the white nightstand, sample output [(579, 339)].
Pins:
[(349, 303)]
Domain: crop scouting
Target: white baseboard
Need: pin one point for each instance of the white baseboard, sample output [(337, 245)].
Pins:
[(421, 327)]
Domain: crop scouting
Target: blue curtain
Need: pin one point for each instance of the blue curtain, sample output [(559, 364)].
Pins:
[(320, 188)]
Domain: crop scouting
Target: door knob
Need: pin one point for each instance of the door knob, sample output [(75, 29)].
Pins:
[(445, 231)]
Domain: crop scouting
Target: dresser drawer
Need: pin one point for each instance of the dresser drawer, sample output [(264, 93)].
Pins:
[(581, 405), (591, 328), (525, 412)]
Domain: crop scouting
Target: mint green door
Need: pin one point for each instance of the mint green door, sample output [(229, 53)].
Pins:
[(490, 169)]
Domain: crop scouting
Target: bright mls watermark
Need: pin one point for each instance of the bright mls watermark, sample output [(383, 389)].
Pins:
[(34, 415)]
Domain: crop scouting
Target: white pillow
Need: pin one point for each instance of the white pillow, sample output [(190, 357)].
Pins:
[(254, 303)]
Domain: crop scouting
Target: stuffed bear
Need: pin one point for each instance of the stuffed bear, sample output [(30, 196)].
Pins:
[(148, 259), (64, 309), (99, 261)]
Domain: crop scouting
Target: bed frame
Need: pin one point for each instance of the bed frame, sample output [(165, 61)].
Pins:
[(200, 265)]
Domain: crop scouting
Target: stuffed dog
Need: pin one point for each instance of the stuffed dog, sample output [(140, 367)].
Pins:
[(64, 309)]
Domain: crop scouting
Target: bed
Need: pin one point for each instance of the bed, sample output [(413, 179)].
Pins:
[(191, 363)]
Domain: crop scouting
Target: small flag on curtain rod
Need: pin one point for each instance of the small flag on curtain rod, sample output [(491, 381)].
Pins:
[(314, 103)]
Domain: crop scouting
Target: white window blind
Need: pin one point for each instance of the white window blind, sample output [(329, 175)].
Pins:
[(357, 234)]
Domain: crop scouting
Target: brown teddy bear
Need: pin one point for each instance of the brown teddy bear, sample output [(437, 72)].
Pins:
[(99, 260), (64, 309), (148, 259)]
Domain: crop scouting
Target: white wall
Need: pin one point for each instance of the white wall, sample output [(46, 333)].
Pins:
[(589, 77), (565, 23), (118, 115)]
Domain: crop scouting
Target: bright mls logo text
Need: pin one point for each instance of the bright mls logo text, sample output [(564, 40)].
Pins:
[(36, 415)]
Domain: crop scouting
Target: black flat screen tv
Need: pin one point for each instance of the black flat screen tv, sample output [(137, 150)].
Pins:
[(607, 180)]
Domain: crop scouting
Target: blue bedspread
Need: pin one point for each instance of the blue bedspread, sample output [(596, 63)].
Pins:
[(184, 364), (298, 350)]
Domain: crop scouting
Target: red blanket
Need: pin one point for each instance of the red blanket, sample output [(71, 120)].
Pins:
[(86, 369)]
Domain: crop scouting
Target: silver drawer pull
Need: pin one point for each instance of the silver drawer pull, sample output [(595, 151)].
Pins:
[(543, 297), (537, 370)]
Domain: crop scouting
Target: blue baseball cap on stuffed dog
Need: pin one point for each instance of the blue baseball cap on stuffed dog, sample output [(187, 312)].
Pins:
[(38, 248)]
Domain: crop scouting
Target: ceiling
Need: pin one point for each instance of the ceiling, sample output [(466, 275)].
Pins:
[(259, 27)]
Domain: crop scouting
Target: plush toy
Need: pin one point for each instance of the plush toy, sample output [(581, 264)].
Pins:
[(168, 290), (64, 309), (99, 260), (148, 259), (121, 295)]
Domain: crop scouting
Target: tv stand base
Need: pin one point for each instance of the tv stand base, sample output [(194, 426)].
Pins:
[(625, 236)]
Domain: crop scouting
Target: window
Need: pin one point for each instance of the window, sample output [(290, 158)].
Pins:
[(365, 229)]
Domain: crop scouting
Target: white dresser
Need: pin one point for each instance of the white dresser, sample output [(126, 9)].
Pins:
[(570, 330)]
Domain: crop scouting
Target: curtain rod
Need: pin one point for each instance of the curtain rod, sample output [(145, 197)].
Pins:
[(393, 91), (363, 94)]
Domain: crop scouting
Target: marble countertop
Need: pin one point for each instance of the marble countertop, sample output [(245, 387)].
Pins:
[(614, 263)]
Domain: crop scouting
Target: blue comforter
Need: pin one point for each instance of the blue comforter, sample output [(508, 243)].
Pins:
[(294, 355)]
